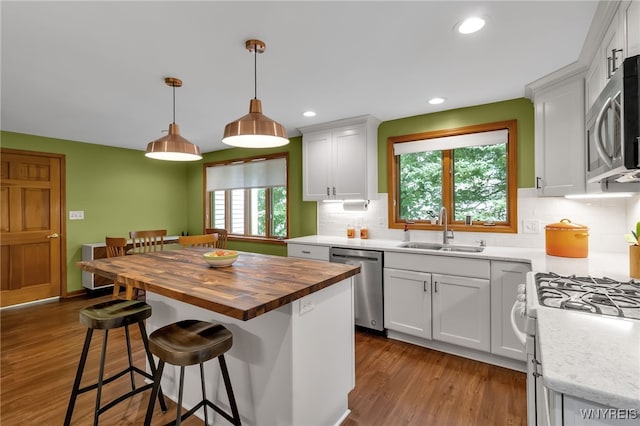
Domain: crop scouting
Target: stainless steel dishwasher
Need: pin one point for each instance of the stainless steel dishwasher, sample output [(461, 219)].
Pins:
[(367, 284)]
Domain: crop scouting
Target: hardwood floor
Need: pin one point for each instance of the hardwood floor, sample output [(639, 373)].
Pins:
[(396, 383)]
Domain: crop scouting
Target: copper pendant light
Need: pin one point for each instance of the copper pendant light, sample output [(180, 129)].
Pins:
[(255, 130), (173, 147)]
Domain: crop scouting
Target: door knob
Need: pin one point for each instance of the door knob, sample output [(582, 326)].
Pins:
[(54, 235)]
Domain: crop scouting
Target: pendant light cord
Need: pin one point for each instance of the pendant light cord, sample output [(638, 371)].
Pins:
[(174, 104), (255, 71)]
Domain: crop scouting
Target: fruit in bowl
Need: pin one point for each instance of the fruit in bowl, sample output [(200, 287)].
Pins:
[(220, 258)]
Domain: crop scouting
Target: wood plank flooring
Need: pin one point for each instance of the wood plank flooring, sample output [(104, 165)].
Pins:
[(396, 383)]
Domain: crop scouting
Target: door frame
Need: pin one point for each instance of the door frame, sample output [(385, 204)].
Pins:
[(63, 209)]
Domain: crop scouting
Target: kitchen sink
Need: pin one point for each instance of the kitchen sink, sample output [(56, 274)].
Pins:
[(442, 247)]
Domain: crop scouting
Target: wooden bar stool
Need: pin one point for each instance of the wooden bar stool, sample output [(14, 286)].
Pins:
[(106, 316), (191, 342)]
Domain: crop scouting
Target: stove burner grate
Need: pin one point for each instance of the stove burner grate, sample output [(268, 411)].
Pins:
[(603, 296)]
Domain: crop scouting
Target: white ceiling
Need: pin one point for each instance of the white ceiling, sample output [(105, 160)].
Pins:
[(94, 71)]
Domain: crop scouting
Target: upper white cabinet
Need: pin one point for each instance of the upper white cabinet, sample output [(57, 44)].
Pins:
[(621, 40), (560, 138), (340, 160)]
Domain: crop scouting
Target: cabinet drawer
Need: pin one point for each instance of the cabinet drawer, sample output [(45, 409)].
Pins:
[(450, 265), (306, 251)]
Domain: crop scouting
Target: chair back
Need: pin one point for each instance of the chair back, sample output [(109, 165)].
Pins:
[(116, 246), (221, 242), (147, 241), (208, 240)]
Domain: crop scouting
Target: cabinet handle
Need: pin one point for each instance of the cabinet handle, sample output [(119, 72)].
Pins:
[(334, 191), (306, 252), (613, 58), (538, 182), (328, 193), (435, 286)]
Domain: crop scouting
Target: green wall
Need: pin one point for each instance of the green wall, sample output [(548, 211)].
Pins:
[(520, 109), (121, 190)]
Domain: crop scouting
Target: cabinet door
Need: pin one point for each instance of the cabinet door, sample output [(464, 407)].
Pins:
[(316, 158), (350, 162), (505, 278), (632, 21), (407, 302), (560, 139), (461, 311)]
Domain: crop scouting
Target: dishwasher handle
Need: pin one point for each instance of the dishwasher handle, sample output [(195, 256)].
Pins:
[(345, 257)]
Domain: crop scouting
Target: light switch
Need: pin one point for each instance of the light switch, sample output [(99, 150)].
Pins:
[(76, 215)]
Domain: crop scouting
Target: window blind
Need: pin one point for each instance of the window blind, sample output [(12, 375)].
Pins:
[(261, 173), (493, 137)]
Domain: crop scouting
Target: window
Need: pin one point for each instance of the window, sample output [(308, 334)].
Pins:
[(248, 197), (471, 171)]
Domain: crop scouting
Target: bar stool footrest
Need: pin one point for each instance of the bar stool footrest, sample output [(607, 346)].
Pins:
[(198, 406)]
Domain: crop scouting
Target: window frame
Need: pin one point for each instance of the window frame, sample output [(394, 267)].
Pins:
[(511, 224), (268, 205)]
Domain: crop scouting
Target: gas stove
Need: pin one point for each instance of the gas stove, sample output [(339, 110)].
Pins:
[(602, 296)]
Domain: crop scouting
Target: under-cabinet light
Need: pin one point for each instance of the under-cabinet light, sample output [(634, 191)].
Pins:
[(599, 195)]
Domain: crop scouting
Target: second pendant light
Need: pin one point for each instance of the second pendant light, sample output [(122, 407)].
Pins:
[(255, 130)]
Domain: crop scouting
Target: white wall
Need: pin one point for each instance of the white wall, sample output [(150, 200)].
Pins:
[(608, 220)]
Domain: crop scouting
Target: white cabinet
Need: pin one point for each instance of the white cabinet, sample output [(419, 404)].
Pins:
[(620, 40), (631, 18), (339, 160), (560, 138), (461, 311), (307, 251), (505, 278), (407, 302)]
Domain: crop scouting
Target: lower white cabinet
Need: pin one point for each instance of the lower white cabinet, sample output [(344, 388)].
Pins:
[(505, 278), (462, 311), (407, 302)]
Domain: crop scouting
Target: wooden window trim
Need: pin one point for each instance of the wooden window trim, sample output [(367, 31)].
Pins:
[(511, 226)]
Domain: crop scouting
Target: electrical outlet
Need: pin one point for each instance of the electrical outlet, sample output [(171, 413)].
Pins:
[(306, 306), (531, 226), (76, 215)]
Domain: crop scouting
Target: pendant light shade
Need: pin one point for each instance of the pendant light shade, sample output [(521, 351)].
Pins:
[(255, 130), (173, 147)]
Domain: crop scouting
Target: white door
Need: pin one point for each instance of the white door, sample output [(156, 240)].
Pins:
[(350, 162), (407, 302), (316, 168), (461, 311)]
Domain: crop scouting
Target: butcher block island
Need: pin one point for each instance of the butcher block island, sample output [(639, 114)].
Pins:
[(292, 360)]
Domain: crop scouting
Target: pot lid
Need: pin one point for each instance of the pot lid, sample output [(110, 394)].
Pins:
[(565, 225)]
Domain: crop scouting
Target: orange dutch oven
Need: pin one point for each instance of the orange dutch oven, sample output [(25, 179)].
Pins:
[(566, 239)]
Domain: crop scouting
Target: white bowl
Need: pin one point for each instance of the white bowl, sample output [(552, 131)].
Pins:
[(221, 258)]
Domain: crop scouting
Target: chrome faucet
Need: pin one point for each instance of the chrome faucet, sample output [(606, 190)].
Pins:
[(447, 234)]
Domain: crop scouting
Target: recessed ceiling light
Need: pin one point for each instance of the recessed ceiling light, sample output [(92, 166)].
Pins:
[(470, 25), (436, 101), (309, 114)]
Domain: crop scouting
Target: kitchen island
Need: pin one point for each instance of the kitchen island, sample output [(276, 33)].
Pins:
[(292, 360)]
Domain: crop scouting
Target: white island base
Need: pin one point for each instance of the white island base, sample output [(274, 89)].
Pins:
[(290, 366)]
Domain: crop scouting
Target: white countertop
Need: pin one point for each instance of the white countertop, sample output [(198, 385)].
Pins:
[(612, 265), (593, 357)]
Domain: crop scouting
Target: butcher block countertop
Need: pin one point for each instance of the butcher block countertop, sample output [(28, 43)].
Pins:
[(253, 285)]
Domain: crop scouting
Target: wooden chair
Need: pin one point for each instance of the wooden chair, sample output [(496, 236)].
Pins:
[(147, 241), (222, 236), (208, 240), (116, 246)]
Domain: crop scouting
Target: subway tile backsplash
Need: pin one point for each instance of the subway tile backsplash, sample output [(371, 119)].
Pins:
[(608, 220)]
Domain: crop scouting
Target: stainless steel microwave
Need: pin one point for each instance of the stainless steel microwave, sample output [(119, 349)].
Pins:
[(613, 128)]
